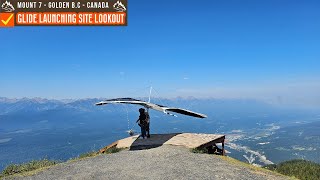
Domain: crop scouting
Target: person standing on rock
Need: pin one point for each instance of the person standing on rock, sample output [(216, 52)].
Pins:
[(143, 122)]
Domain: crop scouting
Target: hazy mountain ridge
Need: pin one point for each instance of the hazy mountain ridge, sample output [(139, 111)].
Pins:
[(42, 126), (38, 104), (8, 105)]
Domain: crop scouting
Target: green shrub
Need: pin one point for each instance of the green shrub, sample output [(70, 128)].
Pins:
[(271, 167), (26, 167), (298, 168)]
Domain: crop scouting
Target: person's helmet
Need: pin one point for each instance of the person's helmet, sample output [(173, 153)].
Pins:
[(141, 110)]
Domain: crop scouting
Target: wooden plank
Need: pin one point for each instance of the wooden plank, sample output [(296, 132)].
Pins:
[(214, 141), (189, 140), (223, 151), (193, 140)]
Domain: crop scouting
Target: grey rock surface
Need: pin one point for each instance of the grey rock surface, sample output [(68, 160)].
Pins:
[(165, 162)]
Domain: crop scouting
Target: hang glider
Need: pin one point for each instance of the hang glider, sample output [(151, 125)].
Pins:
[(164, 109)]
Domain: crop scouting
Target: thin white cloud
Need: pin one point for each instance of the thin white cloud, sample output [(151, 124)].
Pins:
[(5, 140), (300, 93)]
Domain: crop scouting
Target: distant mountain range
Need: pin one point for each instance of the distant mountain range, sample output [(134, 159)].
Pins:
[(226, 109), (254, 129), (8, 105)]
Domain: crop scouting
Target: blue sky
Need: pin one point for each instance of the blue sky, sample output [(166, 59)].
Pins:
[(266, 49)]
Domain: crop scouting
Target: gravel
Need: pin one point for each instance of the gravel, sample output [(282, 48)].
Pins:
[(165, 162)]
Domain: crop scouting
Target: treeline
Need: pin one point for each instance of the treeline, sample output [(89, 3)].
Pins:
[(301, 169)]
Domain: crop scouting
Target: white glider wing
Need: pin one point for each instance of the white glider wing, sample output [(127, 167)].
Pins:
[(164, 109)]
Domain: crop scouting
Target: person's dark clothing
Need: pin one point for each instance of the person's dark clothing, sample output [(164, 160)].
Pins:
[(143, 132), (143, 123), (143, 120)]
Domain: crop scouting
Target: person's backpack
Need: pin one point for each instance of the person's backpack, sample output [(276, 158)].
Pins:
[(143, 119)]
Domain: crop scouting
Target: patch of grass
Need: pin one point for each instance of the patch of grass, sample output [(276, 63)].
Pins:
[(94, 153), (240, 163), (13, 169), (22, 169), (112, 150), (235, 162), (87, 154), (200, 151), (252, 167)]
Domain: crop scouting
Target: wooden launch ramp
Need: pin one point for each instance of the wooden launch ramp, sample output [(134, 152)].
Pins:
[(188, 140)]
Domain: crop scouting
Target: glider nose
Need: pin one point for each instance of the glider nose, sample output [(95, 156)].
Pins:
[(99, 103)]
